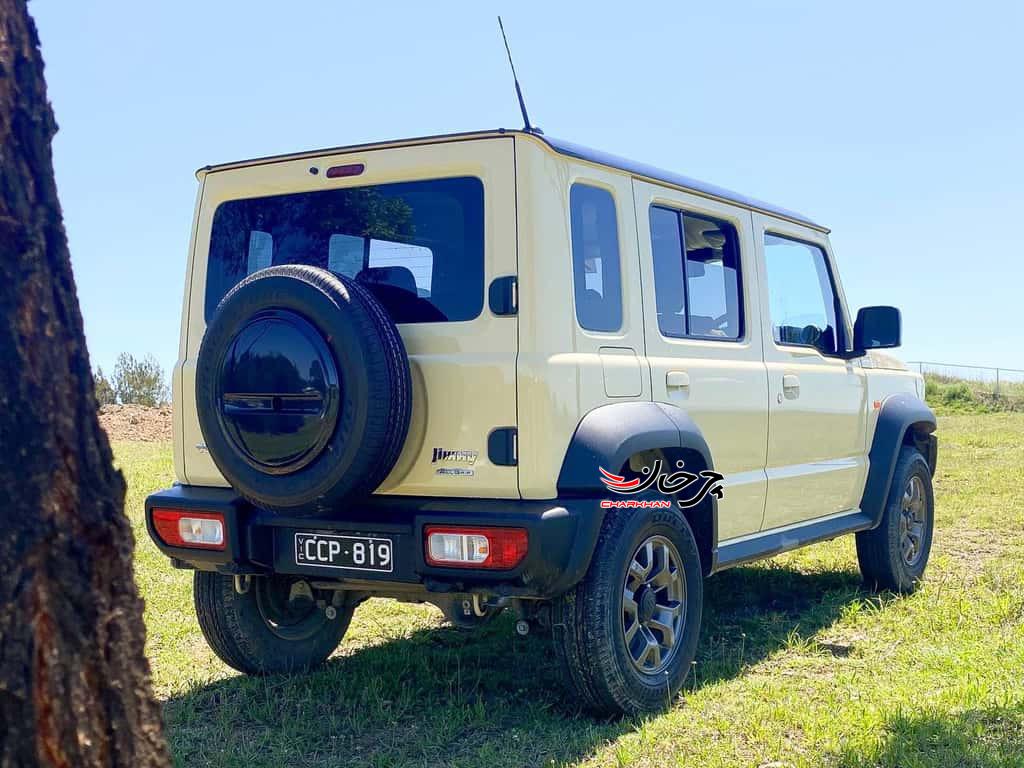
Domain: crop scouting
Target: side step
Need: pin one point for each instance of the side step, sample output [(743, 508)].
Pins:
[(770, 543)]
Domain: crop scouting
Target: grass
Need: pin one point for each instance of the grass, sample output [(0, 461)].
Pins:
[(950, 395), (798, 665)]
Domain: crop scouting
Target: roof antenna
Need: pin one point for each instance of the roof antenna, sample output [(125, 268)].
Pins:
[(522, 104)]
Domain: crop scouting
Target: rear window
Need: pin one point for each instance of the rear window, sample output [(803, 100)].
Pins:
[(595, 258), (418, 245)]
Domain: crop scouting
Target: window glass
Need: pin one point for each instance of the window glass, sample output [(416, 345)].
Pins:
[(261, 247), (595, 258), (417, 259), (800, 296), (417, 246), (706, 304), (346, 254), (712, 278), (667, 251)]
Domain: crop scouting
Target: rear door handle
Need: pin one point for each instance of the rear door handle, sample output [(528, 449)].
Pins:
[(791, 383), (677, 380)]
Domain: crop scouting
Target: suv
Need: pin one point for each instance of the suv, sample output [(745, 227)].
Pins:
[(497, 370)]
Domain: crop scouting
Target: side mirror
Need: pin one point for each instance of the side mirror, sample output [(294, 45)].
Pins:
[(876, 328)]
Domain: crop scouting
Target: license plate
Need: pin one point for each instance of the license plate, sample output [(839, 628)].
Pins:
[(354, 553)]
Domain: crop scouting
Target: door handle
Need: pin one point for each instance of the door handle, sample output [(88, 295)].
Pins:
[(677, 380), (791, 383)]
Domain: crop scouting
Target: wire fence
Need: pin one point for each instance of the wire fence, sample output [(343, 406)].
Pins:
[(997, 386)]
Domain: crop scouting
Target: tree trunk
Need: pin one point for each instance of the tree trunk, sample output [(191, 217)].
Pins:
[(74, 684)]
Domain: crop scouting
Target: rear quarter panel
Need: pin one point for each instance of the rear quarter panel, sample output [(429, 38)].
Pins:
[(561, 372)]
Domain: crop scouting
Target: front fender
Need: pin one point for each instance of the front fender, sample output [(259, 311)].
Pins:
[(899, 415)]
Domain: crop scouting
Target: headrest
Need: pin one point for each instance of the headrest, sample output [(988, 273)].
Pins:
[(396, 277)]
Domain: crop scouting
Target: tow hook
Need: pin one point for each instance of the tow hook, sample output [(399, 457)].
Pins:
[(242, 584), (478, 607)]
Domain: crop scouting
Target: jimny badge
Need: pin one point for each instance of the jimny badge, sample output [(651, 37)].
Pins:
[(446, 458)]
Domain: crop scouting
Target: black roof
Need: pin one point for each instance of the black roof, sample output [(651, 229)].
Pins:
[(579, 152), (567, 148)]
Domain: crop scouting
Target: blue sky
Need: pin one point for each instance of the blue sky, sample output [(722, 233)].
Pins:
[(899, 125)]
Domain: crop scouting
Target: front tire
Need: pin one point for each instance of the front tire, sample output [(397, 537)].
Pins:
[(278, 625), (627, 633), (894, 555)]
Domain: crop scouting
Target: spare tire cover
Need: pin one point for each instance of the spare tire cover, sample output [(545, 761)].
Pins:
[(303, 389)]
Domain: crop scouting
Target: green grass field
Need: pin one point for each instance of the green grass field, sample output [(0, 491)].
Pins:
[(948, 395), (798, 665)]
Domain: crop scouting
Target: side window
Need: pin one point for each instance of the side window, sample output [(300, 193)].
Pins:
[(261, 250), (595, 258), (696, 275), (345, 254), (801, 300), (409, 260), (412, 266), (669, 289)]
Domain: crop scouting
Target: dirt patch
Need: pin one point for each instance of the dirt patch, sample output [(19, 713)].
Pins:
[(136, 422)]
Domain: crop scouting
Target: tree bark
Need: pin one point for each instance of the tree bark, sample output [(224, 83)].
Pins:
[(74, 684)]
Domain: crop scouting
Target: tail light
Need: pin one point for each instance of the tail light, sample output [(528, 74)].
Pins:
[(186, 528), (483, 547)]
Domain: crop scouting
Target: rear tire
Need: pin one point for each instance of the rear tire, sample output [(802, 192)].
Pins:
[(894, 555), (261, 631), (592, 621)]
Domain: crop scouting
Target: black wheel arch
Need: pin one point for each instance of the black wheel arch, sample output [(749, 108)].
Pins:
[(610, 434), (902, 420)]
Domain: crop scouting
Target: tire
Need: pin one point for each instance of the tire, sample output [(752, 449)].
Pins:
[(292, 435), (250, 633), (883, 551), (590, 625)]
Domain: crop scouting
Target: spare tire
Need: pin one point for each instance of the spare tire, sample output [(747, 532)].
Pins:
[(303, 389)]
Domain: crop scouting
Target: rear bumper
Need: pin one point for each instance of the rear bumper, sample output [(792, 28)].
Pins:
[(562, 534)]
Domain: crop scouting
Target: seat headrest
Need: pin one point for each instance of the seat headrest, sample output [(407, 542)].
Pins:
[(395, 276)]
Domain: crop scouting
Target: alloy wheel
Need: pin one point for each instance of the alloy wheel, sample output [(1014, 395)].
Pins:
[(913, 521), (653, 605)]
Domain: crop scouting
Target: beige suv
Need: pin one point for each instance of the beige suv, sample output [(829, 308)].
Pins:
[(496, 370)]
